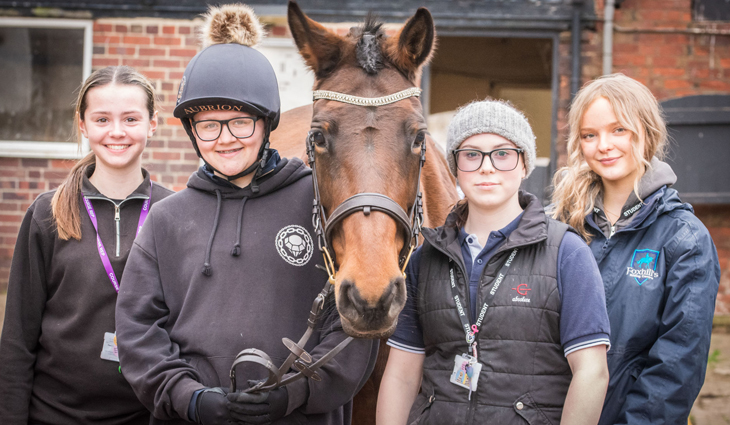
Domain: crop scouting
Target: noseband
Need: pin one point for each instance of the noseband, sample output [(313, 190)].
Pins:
[(366, 202), (299, 359)]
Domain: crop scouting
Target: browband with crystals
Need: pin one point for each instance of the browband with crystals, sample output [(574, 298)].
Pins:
[(366, 101)]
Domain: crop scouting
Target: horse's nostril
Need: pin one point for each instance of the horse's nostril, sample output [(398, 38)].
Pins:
[(391, 291), (394, 296), (350, 298)]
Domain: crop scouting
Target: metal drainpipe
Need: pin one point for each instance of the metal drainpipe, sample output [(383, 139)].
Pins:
[(575, 38), (608, 37)]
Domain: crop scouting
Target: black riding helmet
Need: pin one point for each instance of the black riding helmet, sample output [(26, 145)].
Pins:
[(230, 76)]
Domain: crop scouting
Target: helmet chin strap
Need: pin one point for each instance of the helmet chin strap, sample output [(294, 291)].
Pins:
[(261, 158)]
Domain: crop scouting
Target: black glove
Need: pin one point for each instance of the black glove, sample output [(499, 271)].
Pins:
[(211, 407), (260, 408)]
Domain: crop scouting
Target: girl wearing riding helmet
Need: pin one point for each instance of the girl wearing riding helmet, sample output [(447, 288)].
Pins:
[(658, 263), (57, 352), (226, 264), (505, 320)]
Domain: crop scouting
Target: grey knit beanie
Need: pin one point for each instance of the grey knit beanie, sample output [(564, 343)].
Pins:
[(495, 117)]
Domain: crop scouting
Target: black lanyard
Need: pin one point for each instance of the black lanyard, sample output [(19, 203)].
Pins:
[(471, 330)]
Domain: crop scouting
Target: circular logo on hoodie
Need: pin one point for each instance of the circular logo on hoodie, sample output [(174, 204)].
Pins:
[(294, 244)]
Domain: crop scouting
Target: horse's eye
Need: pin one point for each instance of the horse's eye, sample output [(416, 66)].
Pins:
[(317, 138), (420, 139)]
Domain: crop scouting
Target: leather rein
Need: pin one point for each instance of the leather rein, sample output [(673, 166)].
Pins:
[(299, 358)]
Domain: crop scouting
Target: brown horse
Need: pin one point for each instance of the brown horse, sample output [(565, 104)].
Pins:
[(368, 149)]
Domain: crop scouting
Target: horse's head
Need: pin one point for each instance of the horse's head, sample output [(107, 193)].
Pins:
[(360, 149)]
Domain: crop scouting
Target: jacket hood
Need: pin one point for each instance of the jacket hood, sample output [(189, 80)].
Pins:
[(283, 174), (657, 198), (657, 177), (660, 202), (659, 174), (286, 172)]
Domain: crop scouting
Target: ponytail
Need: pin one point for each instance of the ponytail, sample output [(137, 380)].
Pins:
[(65, 202)]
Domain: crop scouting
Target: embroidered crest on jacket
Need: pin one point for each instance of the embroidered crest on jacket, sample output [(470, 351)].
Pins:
[(643, 265), (294, 244)]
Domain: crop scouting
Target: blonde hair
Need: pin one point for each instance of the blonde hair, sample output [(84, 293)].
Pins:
[(576, 186), (65, 202)]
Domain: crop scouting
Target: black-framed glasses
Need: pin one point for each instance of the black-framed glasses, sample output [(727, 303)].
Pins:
[(240, 128), (505, 159)]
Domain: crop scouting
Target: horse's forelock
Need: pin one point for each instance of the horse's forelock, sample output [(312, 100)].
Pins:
[(369, 55)]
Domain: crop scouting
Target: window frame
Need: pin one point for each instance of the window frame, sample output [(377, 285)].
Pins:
[(38, 149)]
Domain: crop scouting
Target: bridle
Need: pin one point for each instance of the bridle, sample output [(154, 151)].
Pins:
[(300, 359), (368, 201)]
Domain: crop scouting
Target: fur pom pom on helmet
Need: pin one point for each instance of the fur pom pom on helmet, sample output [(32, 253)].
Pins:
[(231, 23)]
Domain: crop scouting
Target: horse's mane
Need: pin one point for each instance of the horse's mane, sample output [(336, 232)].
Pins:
[(369, 54)]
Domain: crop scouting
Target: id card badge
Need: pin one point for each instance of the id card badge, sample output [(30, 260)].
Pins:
[(466, 372), (109, 350)]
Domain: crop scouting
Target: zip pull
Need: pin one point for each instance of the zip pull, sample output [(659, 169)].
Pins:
[(613, 230), (117, 220)]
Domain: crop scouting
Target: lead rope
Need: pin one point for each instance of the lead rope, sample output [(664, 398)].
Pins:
[(299, 358)]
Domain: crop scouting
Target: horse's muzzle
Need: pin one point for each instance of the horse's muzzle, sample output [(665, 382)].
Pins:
[(370, 320)]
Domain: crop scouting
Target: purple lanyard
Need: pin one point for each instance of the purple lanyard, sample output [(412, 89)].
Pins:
[(100, 244)]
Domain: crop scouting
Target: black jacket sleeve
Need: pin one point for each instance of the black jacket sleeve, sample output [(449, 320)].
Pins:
[(23, 314)]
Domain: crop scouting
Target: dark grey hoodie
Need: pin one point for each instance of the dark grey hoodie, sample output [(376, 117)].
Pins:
[(60, 305), (191, 300)]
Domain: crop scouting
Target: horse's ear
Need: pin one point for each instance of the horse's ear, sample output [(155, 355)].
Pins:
[(320, 47), (414, 44)]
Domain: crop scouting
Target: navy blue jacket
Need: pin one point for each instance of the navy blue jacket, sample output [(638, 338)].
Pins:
[(661, 274)]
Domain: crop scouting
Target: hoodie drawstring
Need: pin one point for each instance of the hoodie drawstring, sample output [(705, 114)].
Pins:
[(237, 247), (207, 269)]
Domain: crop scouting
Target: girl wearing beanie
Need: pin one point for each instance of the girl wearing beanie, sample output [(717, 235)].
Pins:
[(505, 320), (58, 360), (658, 263), (227, 263)]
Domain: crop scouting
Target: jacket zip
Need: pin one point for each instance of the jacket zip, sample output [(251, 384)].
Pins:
[(473, 401), (117, 217)]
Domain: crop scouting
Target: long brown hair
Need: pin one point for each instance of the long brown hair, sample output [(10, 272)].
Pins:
[(65, 203), (637, 110)]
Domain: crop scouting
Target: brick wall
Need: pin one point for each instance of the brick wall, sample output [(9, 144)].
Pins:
[(21, 181), (671, 64)]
